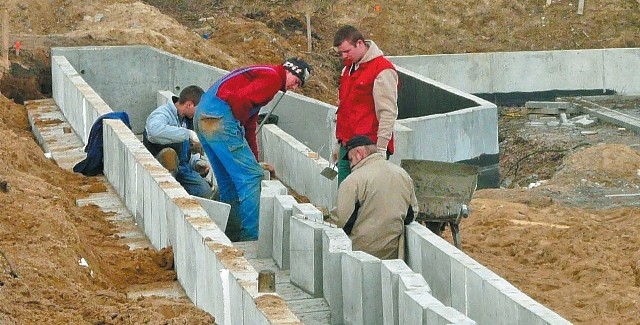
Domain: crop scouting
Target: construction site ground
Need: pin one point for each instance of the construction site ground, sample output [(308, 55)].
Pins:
[(569, 241)]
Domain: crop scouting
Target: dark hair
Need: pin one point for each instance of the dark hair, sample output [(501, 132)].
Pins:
[(192, 93), (347, 33)]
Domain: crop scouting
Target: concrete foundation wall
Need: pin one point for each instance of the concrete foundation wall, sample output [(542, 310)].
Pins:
[(127, 78), (535, 71), (208, 268), (310, 122)]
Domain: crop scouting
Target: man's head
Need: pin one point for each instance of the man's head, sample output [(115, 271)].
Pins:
[(358, 148), (350, 43), (298, 72), (188, 100)]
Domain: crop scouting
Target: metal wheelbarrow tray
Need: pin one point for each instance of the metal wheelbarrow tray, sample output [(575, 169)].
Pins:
[(444, 191)]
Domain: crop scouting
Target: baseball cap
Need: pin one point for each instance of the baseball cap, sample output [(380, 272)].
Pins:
[(357, 141), (298, 68)]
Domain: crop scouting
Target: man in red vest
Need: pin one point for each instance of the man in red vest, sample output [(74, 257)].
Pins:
[(368, 95)]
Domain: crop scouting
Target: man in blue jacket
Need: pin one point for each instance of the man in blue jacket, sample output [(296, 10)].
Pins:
[(169, 136)]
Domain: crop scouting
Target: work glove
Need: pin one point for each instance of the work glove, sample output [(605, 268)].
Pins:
[(193, 137), (202, 168), (382, 151)]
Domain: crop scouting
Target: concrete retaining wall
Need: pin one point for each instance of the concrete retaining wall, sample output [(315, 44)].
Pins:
[(214, 275), (534, 71)]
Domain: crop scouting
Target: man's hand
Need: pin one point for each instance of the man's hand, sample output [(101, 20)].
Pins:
[(266, 166), (336, 152), (193, 137), (202, 168)]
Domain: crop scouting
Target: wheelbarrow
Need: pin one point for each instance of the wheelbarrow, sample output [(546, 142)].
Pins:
[(444, 191)]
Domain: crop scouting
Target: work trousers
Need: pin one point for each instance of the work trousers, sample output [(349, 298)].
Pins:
[(235, 167)]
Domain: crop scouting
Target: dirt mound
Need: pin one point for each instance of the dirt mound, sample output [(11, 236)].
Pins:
[(44, 235), (606, 164)]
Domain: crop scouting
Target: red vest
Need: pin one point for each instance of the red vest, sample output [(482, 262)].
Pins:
[(356, 111)]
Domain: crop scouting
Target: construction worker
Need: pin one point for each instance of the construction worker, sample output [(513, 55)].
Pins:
[(226, 123), (169, 136), (375, 201), (368, 95)]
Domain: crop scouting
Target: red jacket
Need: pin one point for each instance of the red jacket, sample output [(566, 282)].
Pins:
[(247, 92), (356, 111)]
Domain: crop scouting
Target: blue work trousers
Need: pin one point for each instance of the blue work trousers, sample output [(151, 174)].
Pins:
[(237, 172)]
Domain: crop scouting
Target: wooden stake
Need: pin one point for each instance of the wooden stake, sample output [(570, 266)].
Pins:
[(580, 7), (266, 281), (308, 16), (5, 38)]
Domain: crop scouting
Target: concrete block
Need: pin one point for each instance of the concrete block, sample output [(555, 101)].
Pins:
[(334, 243), (217, 211), (412, 282), (412, 305), (190, 269), (275, 186), (361, 288), (443, 315), (265, 225), (309, 211), (282, 211), (389, 274), (415, 233), (306, 255), (436, 267)]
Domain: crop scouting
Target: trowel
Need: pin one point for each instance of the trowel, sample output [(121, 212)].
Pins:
[(329, 172)]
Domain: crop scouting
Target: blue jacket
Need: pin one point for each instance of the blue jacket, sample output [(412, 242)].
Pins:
[(94, 164)]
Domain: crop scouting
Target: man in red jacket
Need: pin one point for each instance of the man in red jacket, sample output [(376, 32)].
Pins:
[(368, 95), (226, 122)]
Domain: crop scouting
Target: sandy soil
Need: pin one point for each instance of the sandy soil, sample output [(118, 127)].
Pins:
[(565, 243)]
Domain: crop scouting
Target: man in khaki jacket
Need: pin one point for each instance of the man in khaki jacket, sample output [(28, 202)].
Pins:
[(375, 201)]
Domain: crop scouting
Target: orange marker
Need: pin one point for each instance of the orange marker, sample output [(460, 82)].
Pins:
[(377, 8), (18, 44)]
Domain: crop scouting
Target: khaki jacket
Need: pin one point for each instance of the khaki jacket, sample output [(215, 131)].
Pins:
[(375, 199)]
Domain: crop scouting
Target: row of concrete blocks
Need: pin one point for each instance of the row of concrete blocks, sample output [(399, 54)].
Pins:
[(359, 288), (464, 284), (456, 279), (454, 136), (214, 275)]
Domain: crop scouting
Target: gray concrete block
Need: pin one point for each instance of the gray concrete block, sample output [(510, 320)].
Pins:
[(334, 243), (282, 211), (275, 186), (411, 305), (265, 223), (361, 288), (443, 315), (414, 235), (217, 211), (306, 255), (436, 267), (309, 211), (389, 274), (413, 282)]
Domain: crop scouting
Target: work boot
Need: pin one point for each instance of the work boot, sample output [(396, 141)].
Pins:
[(168, 158)]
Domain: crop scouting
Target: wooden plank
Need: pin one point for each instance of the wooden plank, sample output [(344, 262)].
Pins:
[(533, 223)]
